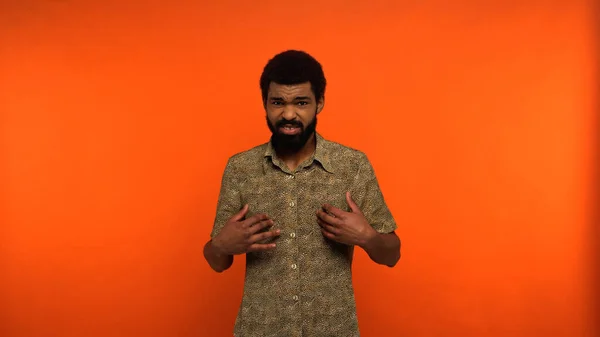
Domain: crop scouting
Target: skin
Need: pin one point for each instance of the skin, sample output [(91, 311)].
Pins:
[(293, 102), (352, 228), (240, 235)]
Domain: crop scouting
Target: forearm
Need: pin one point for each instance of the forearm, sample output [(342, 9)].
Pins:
[(384, 249), (218, 262)]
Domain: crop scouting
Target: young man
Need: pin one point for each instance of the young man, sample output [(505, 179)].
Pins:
[(297, 206)]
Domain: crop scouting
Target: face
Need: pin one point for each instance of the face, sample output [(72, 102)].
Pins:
[(292, 115)]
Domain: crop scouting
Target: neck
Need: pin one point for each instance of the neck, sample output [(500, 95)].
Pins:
[(295, 158)]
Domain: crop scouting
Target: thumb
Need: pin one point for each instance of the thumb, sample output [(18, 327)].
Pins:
[(353, 206), (241, 214)]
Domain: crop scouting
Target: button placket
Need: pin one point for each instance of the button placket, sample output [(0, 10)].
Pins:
[(293, 212)]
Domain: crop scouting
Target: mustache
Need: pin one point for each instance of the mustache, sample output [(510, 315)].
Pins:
[(284, 122)]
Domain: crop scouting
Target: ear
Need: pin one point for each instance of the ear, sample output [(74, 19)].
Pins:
[(320, 105)]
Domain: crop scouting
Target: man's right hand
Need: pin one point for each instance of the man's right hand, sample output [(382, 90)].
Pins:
[(239, 235)]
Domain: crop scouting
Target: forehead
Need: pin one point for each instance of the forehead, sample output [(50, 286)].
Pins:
[(290, 91)]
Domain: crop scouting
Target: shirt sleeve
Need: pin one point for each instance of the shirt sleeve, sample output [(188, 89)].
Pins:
[(369, 198), (229, 201)]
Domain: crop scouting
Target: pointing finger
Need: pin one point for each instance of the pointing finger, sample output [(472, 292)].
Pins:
[(329, 219), (353, 206), (338, 213), (241, 214), (265, 235), (327, 227), (260, 226), (257, 247), (255, 219)]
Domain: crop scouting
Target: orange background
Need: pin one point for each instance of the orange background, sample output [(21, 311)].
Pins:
[(117, 120)]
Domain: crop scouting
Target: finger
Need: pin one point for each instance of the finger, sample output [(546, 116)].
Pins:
[(338, 213), (328, 234), (353, 206), (265, 235), (329, 219), (241, 214), (257, 247), (259, 226), (253, 220), (327, 227)]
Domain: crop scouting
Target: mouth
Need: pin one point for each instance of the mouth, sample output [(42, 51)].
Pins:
[(290, 130)]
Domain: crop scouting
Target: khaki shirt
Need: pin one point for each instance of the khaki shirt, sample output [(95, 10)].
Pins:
[(303, 287)]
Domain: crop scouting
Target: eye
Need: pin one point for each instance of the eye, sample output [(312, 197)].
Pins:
[(276, 103), (302, 103)]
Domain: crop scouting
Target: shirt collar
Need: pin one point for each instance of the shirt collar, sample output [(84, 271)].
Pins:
[(321, 154)]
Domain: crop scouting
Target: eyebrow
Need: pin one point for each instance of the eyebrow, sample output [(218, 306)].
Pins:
[(297, 98), (302, 98)]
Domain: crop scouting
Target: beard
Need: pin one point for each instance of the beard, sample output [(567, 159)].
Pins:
[(291, 144)]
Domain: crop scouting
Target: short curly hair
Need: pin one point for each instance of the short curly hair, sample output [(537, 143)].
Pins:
[(293, 67)]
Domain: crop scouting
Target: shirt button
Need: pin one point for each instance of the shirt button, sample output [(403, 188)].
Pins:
[(292, 204), (293, 235), (294, 266), (295, 297), (290, 177)]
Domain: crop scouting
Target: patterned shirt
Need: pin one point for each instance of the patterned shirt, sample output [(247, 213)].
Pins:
[(303, 287)]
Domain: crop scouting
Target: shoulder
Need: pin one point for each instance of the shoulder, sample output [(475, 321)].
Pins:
[(247, 159), (346, 157), (345, 151)]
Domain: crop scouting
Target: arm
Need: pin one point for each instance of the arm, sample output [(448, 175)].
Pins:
[(383, 245), (239, 236), (218, 261), (228, 204), (369, 224), (383, 248), (354, 228), (233, 233)]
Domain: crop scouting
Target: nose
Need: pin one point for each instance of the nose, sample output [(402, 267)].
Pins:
[(289, 112)]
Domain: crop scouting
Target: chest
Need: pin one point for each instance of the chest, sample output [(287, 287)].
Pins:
[(293, 199)]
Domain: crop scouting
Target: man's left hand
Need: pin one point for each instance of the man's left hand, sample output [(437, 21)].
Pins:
[(351, 228)]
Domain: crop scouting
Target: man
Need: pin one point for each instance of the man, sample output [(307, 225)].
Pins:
[(297, 206)]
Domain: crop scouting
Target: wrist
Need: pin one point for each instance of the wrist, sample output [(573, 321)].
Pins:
[(370, 240), (217, 248)]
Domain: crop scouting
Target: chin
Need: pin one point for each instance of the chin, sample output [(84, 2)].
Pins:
[(292, 141), (289, 138), (288, 143)]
